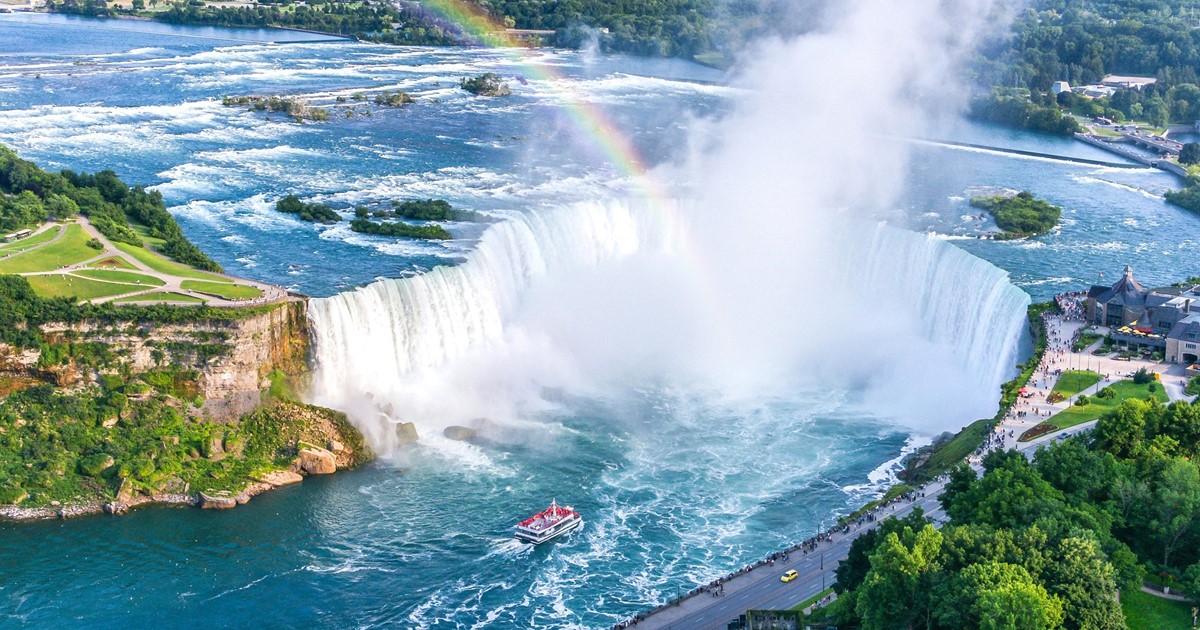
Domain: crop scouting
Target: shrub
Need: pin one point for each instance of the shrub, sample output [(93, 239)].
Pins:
[(1082, 401), (12, 496), (1107, 393), (1153, 387), (311, 212), (1142, 376), (94, 465)]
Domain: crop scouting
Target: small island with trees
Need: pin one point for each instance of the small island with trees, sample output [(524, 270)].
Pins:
[(487, 84), (297, 108), (1021, 215), (311, 212), (428, 210), (399, 98)]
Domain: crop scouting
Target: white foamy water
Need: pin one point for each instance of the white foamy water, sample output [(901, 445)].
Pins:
[(464, 342)]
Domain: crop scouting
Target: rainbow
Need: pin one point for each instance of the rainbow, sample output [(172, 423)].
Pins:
[(482, 29), (605, 137)]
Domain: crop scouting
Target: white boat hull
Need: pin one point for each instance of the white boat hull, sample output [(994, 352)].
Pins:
[(549, 534)]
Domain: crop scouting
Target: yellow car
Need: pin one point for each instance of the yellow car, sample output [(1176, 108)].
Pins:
[(789, 576)]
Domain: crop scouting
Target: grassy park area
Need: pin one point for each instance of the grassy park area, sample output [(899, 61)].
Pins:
[(1144, 611), (92, 238), (127, 277), (123, 270), (225, 290), (62, 285), (1097, 406), (1074, 381), (31, 241), (161, 296), (69, 250), (168, 267), (1085, 340)]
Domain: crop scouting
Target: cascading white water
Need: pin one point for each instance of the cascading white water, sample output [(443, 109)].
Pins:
[(441, 348), (963, 301)]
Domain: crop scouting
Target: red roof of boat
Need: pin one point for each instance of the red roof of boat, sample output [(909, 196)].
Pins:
[(550, 515)]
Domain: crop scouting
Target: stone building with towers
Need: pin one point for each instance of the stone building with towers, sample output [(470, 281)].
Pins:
[(1165, 319)]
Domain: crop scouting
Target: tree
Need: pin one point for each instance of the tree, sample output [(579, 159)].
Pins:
[(1009, 495), (992, 594), (851, 571), (1079, 575), (1020, 605), (1190, 154), (1072, 468), (1122, 430), (1176, 507), (1190, 583), (60, 206), (895, 590)]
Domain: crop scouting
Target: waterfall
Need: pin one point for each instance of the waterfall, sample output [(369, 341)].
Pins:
[(910, 300), (963, 301)]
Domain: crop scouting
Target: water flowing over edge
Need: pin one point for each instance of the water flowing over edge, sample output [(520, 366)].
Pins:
[(370, 338)]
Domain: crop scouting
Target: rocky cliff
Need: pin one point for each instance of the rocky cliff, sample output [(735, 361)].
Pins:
[(232, 358), (111, 416)]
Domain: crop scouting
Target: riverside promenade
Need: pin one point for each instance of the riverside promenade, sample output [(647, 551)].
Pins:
[(758, 586)]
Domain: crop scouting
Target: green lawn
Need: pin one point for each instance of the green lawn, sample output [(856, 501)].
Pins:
[(169, 267), (1144, 611), (161, 297), (1086, 339), (29, 241), (56, 285), (227, 291), (69, 250), (121, 276), (1099, 406), (962, 445), (811, 600), (1074, 381), (144, 233)]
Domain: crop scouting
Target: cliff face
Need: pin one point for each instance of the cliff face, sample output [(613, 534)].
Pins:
[(201, 413), (232, 358)]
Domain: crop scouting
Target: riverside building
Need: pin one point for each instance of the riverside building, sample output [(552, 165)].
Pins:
[(1165, 320)]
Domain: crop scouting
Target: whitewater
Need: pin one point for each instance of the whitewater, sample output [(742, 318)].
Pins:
[(612, 350)]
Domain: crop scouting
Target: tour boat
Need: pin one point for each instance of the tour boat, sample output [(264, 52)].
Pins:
[(554, 521)]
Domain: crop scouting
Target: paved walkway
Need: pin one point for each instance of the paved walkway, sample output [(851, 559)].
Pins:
[(1061, 332), (759, 587)]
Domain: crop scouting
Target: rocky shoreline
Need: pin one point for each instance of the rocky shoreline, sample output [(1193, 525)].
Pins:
[(311, 461)]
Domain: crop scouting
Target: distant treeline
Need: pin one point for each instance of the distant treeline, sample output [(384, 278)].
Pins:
[(1019, 108), (644, 27), (102, 197), (1081, 41)]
